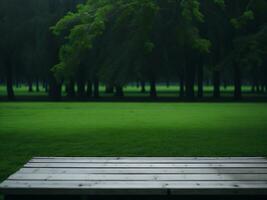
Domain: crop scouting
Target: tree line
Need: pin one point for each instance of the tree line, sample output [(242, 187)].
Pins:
[(114, 42)]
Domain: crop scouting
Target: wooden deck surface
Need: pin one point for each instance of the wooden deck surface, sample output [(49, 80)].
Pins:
[(140, 176)]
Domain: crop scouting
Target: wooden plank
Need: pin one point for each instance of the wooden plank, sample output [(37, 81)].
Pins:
[(135, 187), (157, 158), (258, 193), (148, 161), (145, 175), (134, 184), (138, 177), (117, 165), (143, 171)]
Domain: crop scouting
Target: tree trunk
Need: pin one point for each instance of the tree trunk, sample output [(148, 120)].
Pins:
[(181, 86), (46, 87), (225, 85), (137, 84), (89, 91), (37, 86), (43, 84), (55, 89), (109, 89), (66, 88), (216, 84), (119, 92), (237, 82), (143, 87), (30, 85), (71, 89), (262, 88), (17, 83), (96, 88), (9, 82), (190, 82), (153, 89), (258, 87), (81, 88), (253, 88), (253, 82), (200, 80), (168, 84)]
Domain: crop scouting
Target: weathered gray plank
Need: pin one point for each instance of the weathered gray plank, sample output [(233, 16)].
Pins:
[(157, 158), (138, 177), (144, 161), (145, 175), (134, 184), (128, 165), (135, 187), (143, 171)]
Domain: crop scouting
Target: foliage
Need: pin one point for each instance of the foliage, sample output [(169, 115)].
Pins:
[(119, 42), (243, 19)]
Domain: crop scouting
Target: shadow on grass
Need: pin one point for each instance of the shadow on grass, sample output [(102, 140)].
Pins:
[(164, 97)]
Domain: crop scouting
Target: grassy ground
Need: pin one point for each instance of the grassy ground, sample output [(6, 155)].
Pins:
[(129, 129)]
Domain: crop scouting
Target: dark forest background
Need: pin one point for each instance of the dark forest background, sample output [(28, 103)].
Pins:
[(191, 44)]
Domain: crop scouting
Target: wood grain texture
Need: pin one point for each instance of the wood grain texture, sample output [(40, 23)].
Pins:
[(140, 176), (142, 165), (142, 171)]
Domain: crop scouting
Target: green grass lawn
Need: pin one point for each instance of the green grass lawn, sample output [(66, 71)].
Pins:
[(129, 129)]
